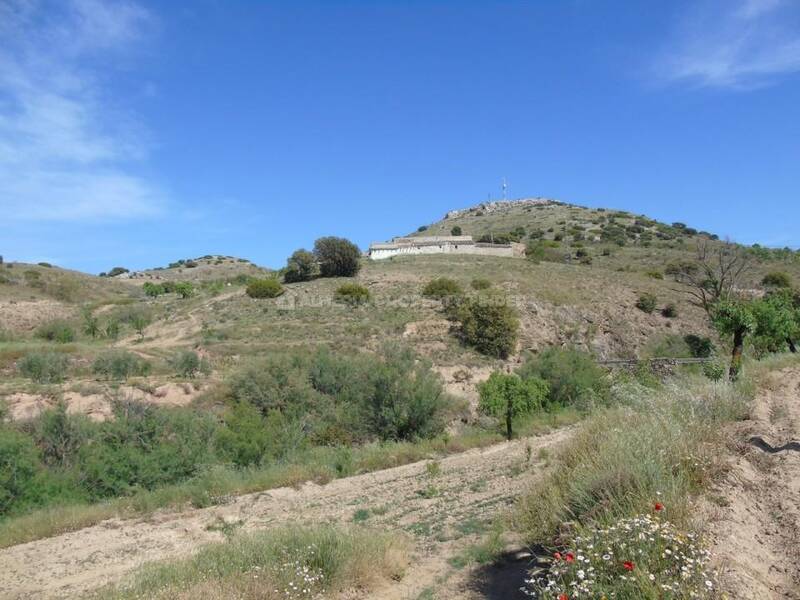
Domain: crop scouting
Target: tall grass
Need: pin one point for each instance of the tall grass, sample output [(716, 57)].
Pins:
[(286, 563), (654, 445)]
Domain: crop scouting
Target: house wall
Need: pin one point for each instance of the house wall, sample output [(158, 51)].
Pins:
[(445, 248)]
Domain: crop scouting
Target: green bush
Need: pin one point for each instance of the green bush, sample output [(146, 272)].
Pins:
[(248, 437), (264, 288), (480, 284), (456, 230), (44, 367), (19, 470), (301, 266), (337, 257), (153, 290), (188, 363), (699, 346), (667, 346), (184, 289), (543, 250), (573, 376), (442, 287), (145, 447), (777, 279), (669, 311), (647, 302), (352, 294), (60, 435), (56, 331), (489, 325), (120, 364)]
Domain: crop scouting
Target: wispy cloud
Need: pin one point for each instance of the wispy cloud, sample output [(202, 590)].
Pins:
[(739, 44), (67, 153)]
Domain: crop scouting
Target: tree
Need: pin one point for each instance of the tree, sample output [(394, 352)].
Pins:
[(777, 321), (734, 318), (337, 257), (506, 395), (455, 230), (714, 274), (153, 290), (301, 266), (139, 322)]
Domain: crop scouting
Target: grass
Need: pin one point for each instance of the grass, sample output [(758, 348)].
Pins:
[(639, 466), (290, 562)]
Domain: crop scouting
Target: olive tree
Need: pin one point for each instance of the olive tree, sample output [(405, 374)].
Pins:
[(506, 395), (734, 318)]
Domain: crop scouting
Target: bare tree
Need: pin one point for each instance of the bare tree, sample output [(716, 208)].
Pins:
[(715, 274)]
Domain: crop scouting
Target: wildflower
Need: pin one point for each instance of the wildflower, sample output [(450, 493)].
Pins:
[(658, 507), (570, 557), (563, 597), (557, 556), (628, 565)]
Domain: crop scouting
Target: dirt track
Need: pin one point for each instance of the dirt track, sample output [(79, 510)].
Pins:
[(443, 512), (755, 513)]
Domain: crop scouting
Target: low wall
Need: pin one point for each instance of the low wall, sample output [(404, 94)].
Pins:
[(481, 249)]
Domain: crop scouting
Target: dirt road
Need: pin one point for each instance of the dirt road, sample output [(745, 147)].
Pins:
[(755, 512), (442, 507)]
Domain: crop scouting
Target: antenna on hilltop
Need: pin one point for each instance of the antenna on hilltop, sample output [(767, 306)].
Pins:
[(505, 187)]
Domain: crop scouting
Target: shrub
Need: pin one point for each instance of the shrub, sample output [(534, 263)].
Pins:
[(56, 331), (337, 257), (145, 447), (248, 437), (456, 230), (667, 346), (188, 364), (442, 287), (573, 376), (184, 289), (19, 469), (543, 250), (655, 274), (301, 266), (777, 279), (480, 284), (264, 288), (406, 397), (700, 346), (60, 435), (153, 290), (120, 364), (352, 294), (508, 396), (44, 367), (647, 302), (670, 311), (488, 325), (714, 371)]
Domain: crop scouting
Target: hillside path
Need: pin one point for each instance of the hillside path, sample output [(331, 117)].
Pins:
[(441, 511), (755, 512)]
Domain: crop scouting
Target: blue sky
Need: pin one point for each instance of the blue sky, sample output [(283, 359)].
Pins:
[(135, 133)]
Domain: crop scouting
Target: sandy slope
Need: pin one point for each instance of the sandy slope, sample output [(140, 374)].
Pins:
[(470, 488), (755, 514)]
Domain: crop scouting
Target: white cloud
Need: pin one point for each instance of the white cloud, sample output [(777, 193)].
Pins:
[(739, 44), (65, 152)]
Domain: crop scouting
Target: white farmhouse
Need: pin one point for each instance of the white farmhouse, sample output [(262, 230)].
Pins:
[(440, 244)]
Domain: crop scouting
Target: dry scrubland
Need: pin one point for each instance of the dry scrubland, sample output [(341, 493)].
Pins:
[(122, 405)]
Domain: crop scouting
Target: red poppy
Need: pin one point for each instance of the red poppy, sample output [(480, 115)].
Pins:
[(658, 506), (557, 556), (570, 557), (628, 565), (563, 597)]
